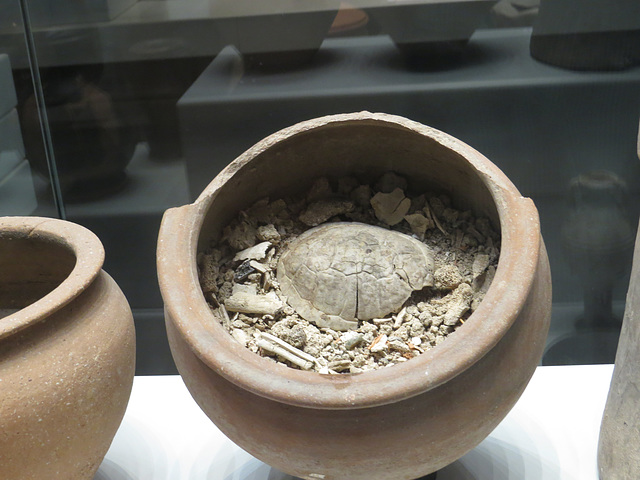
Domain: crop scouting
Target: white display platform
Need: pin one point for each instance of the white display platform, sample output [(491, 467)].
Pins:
[(551, 434)]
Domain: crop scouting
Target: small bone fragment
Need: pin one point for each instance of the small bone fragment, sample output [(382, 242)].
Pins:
[(382, 321), (400, 318), (280, 351), (379, 344), (339, 365), (322, 210), (390, 208), (432, 215), (419, 224), (226, 321), (258, 267), (480, 264), (257, 252), (244, 289), (304, 360), (246, 302), (460, 302), (241, 336)]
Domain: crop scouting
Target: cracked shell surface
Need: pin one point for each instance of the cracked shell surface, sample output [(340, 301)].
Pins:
[(339, 273)]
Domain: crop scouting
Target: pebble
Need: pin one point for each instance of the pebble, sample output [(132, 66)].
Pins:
[(352, 339)]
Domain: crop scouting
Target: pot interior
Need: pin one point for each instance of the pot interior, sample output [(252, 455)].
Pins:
[(30, 268), (364, 149)]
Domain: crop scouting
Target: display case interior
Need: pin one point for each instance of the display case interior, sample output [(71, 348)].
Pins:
[(112, 112)]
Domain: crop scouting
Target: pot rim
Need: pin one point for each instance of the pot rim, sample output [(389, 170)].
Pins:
[(85, 246), (186, 306)]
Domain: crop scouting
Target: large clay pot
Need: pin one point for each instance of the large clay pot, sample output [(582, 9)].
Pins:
[(619, 442), (67, 351), (395, 423)]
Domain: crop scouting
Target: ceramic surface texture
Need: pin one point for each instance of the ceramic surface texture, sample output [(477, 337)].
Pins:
[(67, 351), (619, 442), (401, 422)]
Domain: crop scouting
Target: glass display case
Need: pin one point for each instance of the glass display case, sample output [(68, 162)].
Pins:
[(112, 111)]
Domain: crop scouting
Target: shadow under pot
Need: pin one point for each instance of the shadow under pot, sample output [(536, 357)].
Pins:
[(67, 350), (400, 422)]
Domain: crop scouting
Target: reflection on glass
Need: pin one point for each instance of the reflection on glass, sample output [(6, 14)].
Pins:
[(17, 194), (598, 238), (148, 100), (92, 137), (597, 241)]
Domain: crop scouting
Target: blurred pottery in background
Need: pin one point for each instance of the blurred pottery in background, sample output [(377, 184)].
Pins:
[(67, 351), (275, 35), (587, 34), (93, 135), (428, 31)]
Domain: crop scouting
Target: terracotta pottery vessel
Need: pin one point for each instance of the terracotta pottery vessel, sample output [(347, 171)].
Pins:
[(401, 422), (67, 351), (619, 442)]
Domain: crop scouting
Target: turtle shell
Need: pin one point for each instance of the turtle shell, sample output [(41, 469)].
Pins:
[(338, 273)]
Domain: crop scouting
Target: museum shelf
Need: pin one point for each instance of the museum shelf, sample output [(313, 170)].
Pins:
[(551, 434)]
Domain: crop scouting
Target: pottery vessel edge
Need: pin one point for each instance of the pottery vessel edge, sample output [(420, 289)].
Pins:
[(67, 350), (176, 254)]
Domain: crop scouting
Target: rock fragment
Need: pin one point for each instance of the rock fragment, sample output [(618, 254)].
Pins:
[(322, 210), (256, 252), (390, 208), (240, 235), (268, 233), (447, 277), (419, 224)]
